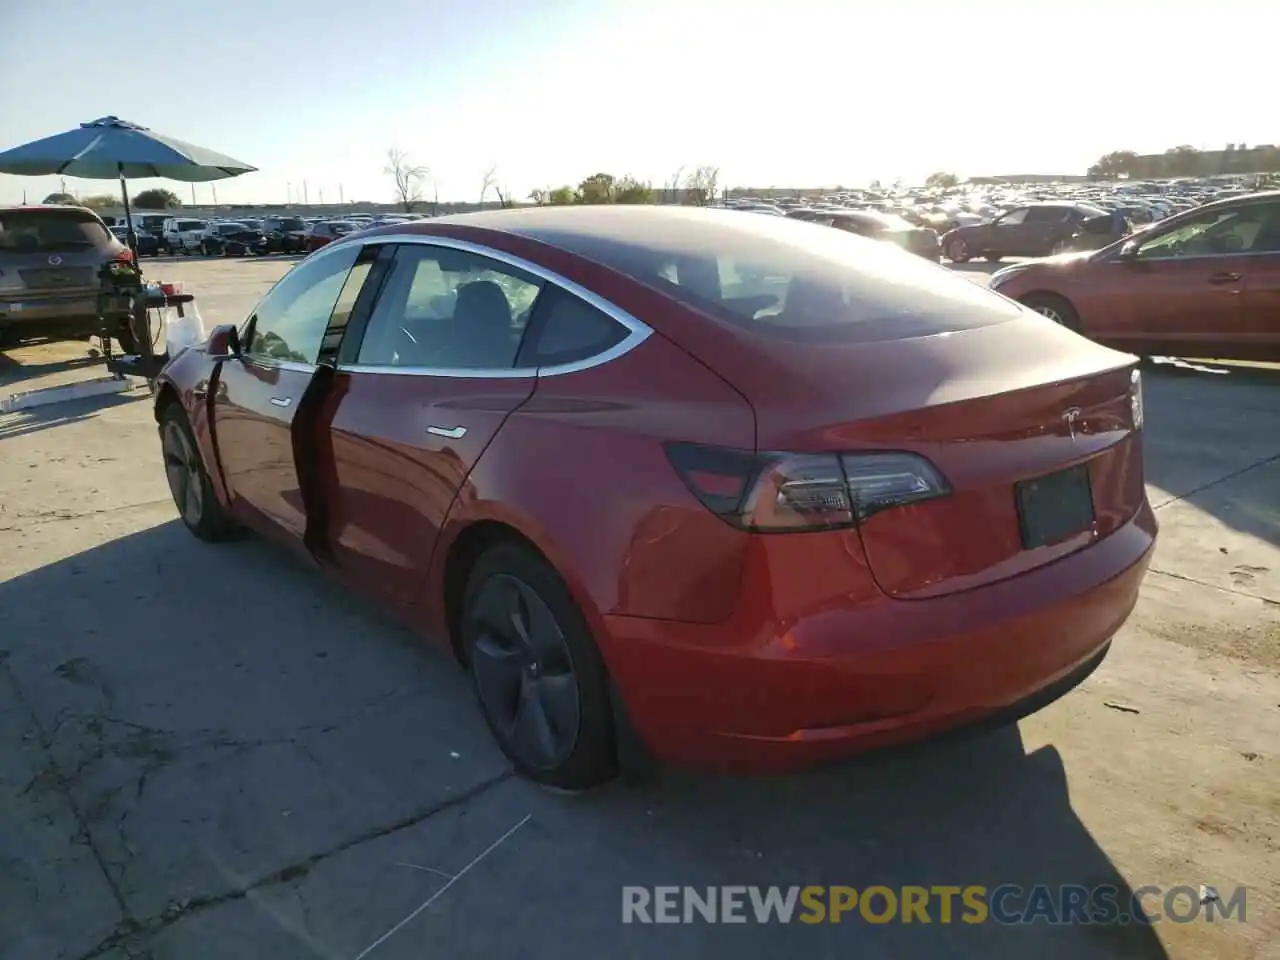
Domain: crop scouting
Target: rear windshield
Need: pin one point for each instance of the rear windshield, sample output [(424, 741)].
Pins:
[(51, 230), (232, 227), (292, 224), (190, 225), (782, 279)]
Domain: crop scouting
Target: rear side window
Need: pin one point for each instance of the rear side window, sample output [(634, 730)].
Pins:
[(567, 329), (1047, 215), (48, 231), (782, 279)]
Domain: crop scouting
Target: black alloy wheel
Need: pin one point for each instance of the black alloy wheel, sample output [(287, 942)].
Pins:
[(189, 482), (536, 671)]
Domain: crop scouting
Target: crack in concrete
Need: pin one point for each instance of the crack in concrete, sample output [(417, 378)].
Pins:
[(130, 930), (1213, 483), (85, 835), (28, 520), (1214, 586)]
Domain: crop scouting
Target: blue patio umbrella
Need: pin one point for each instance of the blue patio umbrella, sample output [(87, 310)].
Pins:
[(111, 148)]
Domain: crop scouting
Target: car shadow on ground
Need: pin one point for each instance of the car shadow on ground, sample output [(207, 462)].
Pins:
[(15, 371), (1212, 438), (188, 694)]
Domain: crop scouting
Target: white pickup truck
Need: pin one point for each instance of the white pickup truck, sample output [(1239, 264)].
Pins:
[(182, 235)]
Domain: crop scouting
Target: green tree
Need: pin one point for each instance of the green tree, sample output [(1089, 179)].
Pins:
[(1181, 161), (65, 198), (100, 202), (701, 185), (561, 196), (630, 190), (941, 180), (597, 188), (1116, 164), (156, 199)]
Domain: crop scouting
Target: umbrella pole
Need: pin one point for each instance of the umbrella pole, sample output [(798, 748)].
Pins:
[(140, 320), (130, 236)]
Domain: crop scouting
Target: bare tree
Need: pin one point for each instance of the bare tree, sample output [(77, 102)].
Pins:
[(489, 181), (435, 198), (505, 199), (702, 184), (674, 185), (408, 178)]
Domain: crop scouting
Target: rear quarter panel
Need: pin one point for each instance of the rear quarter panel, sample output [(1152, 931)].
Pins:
[(580, 471)]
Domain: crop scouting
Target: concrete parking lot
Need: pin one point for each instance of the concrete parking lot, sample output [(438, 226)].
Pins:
[(212, 752)]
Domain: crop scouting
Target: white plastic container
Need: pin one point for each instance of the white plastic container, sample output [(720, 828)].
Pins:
[(183, 327)]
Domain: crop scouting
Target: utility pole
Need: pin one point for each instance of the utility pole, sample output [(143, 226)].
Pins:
[(215, 195), (288, 194), (193, 194), (322, 196), (304, 193), (342, 199)]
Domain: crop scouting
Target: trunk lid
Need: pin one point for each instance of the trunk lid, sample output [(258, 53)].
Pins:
[(995, 410)]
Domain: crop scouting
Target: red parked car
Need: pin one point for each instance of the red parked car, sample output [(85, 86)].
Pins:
[(324, 232), (1204, 283), (741, 492)]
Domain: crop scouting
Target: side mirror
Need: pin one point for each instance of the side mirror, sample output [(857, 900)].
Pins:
[(224, 343), (1129, 251)]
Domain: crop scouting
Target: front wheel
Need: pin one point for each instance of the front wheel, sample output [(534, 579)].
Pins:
[(1056, 308), (189, 482), (537, 673), (957, 250)]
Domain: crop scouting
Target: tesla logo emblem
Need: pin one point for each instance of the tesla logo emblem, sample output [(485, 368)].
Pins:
[(55, 260), (1071, 418)]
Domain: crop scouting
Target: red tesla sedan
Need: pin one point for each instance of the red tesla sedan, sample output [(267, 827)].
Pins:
[(742, 492), (1204, 283)]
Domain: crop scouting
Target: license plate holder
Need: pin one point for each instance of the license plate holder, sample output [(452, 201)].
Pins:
[(1054, 507)]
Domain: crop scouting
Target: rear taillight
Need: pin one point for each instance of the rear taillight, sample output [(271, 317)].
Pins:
[(1135, 398), (792, 492), (124, 256)]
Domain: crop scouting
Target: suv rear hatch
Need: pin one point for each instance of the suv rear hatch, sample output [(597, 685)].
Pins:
[(50, 253)]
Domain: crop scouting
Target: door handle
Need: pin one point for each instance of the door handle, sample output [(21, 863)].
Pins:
[(280, 401), (1224, 278), (451, 433)]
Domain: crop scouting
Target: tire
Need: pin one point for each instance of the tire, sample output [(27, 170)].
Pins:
[(993, 257), (957, 250), (1056, 308), (542, 686), (126, 338), (189, 482)]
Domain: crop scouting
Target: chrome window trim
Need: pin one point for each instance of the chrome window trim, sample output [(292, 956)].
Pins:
[(639, 331)]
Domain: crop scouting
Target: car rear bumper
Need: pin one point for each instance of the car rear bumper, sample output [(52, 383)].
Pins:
[(785, 692), (53, 316)]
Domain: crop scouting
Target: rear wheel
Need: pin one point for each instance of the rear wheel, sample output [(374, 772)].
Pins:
[(1056, 308), (126, 338), (540, 680), (189, 481), (957, 250)]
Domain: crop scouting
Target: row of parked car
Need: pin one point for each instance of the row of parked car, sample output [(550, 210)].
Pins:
[(1000, 220), (164, 235)]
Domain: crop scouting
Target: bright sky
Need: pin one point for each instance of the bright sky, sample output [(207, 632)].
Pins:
[(798, 92)]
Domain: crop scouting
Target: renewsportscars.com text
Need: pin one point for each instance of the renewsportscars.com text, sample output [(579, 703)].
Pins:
[(1006, 904)]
